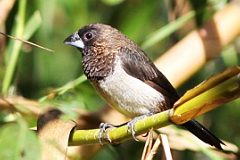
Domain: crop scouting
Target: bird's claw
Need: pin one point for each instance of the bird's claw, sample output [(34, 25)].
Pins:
[(103, 127), (131, 125), (131, 129)]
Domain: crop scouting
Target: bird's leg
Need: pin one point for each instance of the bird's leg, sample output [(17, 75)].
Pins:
[(132, 123), (103, 127)]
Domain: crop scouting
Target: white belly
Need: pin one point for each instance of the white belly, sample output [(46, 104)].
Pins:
[(129, 95)]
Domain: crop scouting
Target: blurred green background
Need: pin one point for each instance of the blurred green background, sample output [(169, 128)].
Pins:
[(39, 71)]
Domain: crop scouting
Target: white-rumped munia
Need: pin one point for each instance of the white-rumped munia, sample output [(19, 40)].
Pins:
[(126, 78)]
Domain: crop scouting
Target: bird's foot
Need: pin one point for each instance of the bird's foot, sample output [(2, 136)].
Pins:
[(103, 127), (131, 124)]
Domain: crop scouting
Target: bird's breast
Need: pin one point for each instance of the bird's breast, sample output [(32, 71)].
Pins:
[(129, 95)]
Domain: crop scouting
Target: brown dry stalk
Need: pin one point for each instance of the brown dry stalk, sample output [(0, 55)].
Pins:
[(185, 58)]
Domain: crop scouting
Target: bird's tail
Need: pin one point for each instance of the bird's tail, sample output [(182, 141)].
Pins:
[(203, 133)]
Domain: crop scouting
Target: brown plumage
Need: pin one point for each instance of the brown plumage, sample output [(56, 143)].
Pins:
[(126, 78)]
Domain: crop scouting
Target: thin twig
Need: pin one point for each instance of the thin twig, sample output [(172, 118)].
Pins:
[(166, 147), (148, 145), (28, 42), (154, 149)]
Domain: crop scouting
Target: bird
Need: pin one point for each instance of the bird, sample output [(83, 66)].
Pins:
[(126, 78)]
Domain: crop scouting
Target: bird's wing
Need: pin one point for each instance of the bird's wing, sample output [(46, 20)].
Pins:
[(137, 64)]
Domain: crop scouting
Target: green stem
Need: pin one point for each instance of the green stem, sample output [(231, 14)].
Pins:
[(12, 62), (120, 134), (65, 88)]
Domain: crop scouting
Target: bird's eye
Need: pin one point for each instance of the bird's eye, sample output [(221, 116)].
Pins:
[(88, 35)]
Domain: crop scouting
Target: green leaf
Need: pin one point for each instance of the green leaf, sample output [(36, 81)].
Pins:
[(14, 48), (230, 56), (32, 25), (165, 31), (13, 51), (18, 142), (112, 2)]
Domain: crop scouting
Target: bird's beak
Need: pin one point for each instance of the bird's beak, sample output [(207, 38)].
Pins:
[(74, 40)]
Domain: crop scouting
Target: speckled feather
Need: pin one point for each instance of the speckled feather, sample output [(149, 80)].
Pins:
[(98, 62)]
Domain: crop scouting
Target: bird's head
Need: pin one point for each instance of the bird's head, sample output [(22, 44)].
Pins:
[(99, 44), (96, 35)]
